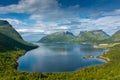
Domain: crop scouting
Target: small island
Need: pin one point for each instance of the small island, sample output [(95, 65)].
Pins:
[(87, 57), (12, 46)]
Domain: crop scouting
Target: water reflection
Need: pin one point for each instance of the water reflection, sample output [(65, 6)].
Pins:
[(59, 58)]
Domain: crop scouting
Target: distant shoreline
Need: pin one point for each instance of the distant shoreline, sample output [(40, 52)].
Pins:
[(105, 45), (104, 58)]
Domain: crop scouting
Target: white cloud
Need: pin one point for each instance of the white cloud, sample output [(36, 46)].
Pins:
[(13, 21), (17, 24), (50, 17), (34, 30), (109, 24), (63, 27), (46, 13), (29, 6), (40, 9), (115, 12)]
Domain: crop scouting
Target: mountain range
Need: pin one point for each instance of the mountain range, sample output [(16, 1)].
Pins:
[(11, 42), (86, 37), (10, 39)]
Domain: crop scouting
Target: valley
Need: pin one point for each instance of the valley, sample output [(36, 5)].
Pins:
[(16, 47)]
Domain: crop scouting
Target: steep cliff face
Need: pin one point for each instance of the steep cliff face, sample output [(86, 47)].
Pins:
[(8, 30), (10, 38), (58, 37)]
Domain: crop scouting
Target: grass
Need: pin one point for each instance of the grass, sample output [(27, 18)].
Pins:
[(108, 71), (106, 45)]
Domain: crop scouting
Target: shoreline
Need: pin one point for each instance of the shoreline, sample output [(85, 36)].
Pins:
[(87, 73), (24, 52), (86, 57), (104, 58), (105, 45)]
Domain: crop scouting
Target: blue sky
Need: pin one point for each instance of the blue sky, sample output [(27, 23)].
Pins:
[(47, 16)]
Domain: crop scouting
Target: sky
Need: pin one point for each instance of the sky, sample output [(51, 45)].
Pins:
[(35, 17)]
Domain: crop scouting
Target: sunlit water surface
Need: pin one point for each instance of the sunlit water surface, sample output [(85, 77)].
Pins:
[(59, 58)]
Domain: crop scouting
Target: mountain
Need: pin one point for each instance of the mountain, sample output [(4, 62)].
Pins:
[(96, 33), (91, 36), (58, 37), (115, 37), (10, 38), (84, 37), (7, 29)]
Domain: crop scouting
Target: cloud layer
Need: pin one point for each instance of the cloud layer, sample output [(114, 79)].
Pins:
[(29, 6), (50, 17)]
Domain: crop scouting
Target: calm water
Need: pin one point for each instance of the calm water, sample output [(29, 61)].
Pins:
[(59, 58)]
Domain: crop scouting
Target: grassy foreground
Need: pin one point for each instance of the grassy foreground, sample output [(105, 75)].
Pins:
[(109, 71)]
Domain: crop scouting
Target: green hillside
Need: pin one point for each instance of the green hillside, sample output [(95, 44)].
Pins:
[(58, 37), (116, 37), (8, 30), (10, 38), (108, 71), (12, 47), (7, 44), (92, 36)]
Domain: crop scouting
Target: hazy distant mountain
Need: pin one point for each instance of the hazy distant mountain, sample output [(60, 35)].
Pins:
[(92, 36), (58, 37), (95, 34), (83, 37), (10, 38), (115, 37)]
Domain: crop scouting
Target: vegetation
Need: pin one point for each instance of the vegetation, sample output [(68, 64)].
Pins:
[(91, 36), (97, 37), (87, 37), (9, 44), (8, 30), (11, 48), (9, 36), (58, 37), (108, 71), (8, 67), (115, 38)]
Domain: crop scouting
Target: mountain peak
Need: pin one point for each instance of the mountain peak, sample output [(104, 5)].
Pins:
[(8, 30), (69, 33), (3, 22), (116, 37), (94, 32), (58, 37), (92, 36), (10, 39)]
